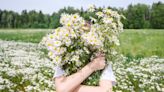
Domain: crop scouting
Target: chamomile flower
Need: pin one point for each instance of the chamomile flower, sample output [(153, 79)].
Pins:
[(91, 8)]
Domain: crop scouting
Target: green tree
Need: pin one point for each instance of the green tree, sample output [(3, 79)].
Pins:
[(137, 16), (10, 19), (4, 19), (24, 19), (0, 16), (157, 15), (55, 20)]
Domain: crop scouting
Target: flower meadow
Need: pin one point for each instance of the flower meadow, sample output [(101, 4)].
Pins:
[(23, 68), (76, 42), (139, 75)]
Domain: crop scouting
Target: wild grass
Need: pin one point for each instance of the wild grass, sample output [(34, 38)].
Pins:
[(142, 43), (134, 43), (23, 35)]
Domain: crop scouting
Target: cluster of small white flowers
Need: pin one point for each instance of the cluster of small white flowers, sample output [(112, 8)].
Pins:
[(92, 38), (144, 75), (91, 8), (109, 25), (23, 69), (72, 20), (76, 34)]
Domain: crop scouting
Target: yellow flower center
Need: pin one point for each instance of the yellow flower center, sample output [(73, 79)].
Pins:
[(49, 44), (66, 35), (75, 16), (51, 36), (50, 53), (69, 24)]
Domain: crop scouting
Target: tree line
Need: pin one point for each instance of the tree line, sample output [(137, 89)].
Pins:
[(137, 16)]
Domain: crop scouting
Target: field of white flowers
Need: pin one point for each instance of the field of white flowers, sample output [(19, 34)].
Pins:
[(142, 75), (24, 68)]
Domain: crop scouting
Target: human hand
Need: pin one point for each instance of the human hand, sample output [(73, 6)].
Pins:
[(98, 63)]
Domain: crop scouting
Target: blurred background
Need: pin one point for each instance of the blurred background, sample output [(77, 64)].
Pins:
[(144, 23), (139, 14)]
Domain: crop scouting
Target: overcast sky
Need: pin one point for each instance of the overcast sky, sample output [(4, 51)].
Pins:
[(49, 6)]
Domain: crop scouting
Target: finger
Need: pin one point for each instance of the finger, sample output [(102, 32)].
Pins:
[(98, 54), (102, 58), (103, 66), (101, 55)]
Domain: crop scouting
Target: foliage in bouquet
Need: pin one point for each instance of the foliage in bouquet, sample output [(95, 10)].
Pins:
[(74, 44)]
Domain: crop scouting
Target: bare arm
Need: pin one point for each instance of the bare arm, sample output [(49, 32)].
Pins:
[(70, 83), (105, 86)]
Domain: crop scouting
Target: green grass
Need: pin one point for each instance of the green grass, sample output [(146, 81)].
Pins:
[(24, 35), (142, 43), (134, 43)]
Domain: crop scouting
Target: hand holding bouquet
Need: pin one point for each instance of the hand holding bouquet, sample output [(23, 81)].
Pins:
[(77, 42)]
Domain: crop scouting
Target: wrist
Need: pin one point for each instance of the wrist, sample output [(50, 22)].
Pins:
[(91, 67)]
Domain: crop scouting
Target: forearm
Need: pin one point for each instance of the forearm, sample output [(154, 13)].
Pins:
[(84, 88), (104, 86), (71, 82)]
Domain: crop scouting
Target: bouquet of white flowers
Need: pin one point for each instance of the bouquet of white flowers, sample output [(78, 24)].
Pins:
[(74, 44)]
